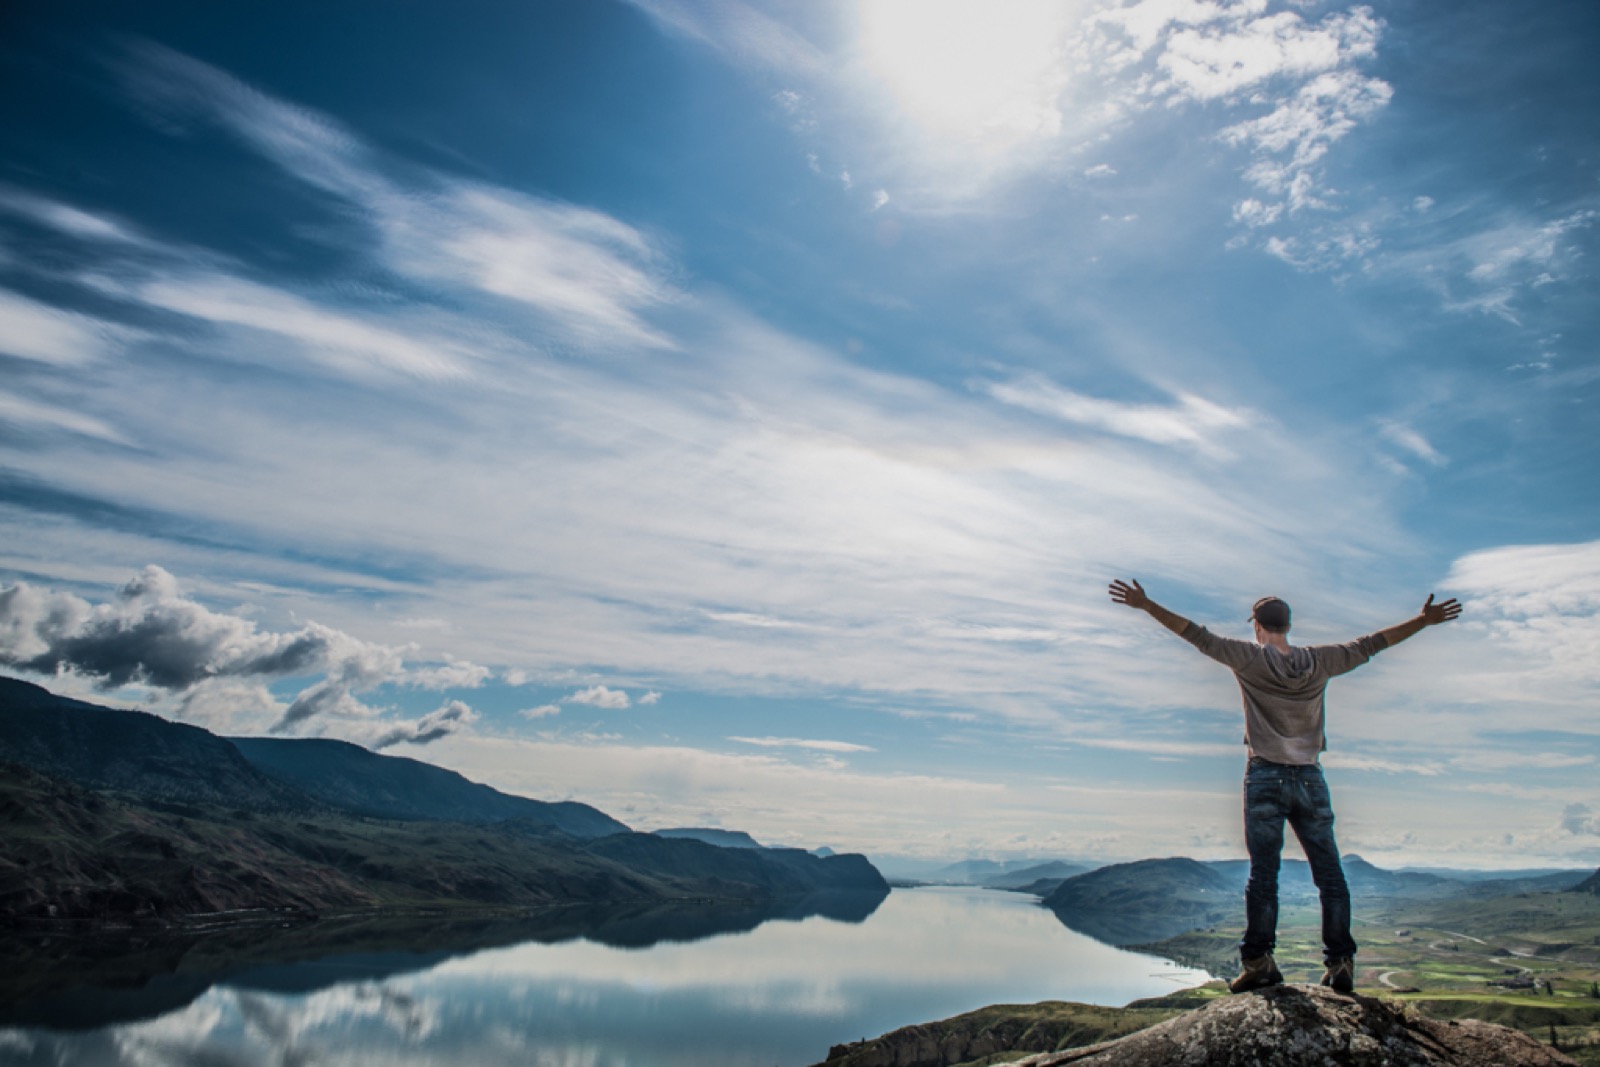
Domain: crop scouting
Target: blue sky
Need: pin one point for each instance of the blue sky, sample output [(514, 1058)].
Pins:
[(731, 413)]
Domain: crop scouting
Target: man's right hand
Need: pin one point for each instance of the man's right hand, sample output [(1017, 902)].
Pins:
[(1433, 614), (1131, 595)]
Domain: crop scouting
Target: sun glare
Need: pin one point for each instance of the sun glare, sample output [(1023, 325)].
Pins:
[(968, 68)]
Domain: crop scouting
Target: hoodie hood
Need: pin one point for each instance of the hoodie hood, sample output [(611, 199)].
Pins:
[(1292, 666)]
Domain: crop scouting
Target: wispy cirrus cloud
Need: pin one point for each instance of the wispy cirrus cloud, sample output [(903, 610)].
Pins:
[(741, 31), (754, 510), (64, 218), (815, 745), (40, 332), (1191, 421), (584, 274)]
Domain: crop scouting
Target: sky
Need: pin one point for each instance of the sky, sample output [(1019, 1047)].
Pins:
[(731, 413)]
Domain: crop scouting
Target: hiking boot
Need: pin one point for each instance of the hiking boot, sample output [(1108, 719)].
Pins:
[(1257, 974), (1340, 975)]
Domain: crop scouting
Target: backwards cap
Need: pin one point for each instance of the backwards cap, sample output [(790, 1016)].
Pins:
[(1272, 614)]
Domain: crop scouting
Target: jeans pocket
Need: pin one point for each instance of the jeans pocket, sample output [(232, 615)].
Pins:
[(1263, 796)]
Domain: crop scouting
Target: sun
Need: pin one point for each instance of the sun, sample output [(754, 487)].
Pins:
[(973, 69)]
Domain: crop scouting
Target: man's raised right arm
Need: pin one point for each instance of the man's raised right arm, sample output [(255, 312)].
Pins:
[(1134, 596)]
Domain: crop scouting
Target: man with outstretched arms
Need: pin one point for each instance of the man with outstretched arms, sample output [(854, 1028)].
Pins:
[(1284, 720)]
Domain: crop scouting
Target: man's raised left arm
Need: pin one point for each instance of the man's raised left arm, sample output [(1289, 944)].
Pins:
[(1431, 615)]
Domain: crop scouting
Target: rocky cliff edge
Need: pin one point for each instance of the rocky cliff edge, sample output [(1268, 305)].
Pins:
[(1308, 1026)]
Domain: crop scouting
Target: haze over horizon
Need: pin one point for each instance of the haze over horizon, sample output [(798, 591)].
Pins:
[(731, 413)]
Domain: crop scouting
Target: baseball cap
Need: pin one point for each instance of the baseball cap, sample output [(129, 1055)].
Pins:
[(1271, 613)]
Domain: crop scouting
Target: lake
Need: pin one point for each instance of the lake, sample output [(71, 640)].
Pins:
[(654, 988)]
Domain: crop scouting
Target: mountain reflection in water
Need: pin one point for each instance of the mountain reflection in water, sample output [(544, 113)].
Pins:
[(571, 987), (74, 983)]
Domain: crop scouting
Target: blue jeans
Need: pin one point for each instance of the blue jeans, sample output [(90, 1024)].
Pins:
[(1274, 792)]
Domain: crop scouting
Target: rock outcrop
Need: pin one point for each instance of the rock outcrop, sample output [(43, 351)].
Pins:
[(1308, 1026)]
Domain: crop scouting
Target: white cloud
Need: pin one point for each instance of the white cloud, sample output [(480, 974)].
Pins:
[(799, 742), (1347, 762), (598, 696), (1241, 51), (35, 416), (1413, 442), (64, 218), (589, 276), (343, 341), (1100, 170), (811, 801), (1325, 247), (742, 32), (651, 697), (1294, 137), (1580, 819), (453, 674), (1191, 421), (39, 332), (1253, 213), (543, 711), (1485, 264)]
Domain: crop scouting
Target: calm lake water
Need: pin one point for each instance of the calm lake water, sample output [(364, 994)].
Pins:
[(777, 995)]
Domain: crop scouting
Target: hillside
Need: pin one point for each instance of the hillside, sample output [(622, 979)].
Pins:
[(350, 778), (1021, 879), (76, 857), (1129, 903), (720, 838), (133, 751), (120, 817)]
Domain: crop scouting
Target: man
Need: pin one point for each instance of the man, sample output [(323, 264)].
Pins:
[(1284, 720)]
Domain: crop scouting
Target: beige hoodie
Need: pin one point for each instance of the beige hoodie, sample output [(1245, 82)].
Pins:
[(1284, 714)]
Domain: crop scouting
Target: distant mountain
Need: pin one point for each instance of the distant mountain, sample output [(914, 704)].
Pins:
[(1001, 874), (1056, 870), (83, 858), (132, 751), (1472, 875), (121, 817), (1590, 884), (720, 838), (1364, 879), (966, 872), (1559, 882), (351, 778), (778, 871), (1133, 903)]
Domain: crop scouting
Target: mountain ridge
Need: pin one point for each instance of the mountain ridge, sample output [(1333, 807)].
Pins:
[(351, 778), (97, 830)]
